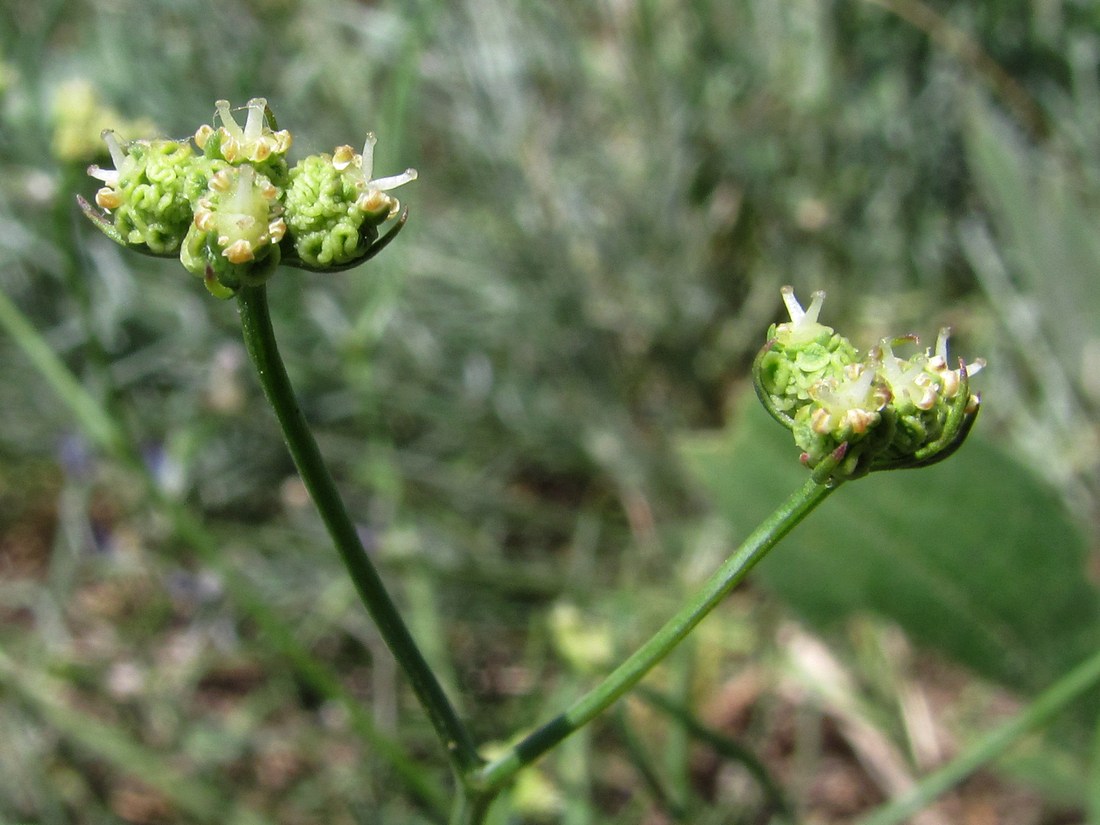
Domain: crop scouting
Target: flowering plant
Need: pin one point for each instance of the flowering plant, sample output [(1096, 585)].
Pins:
[(234, 210), (879, 412), (229, 205)]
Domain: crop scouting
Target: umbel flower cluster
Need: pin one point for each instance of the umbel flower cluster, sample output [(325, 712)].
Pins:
[(230, 207), (853, 414)]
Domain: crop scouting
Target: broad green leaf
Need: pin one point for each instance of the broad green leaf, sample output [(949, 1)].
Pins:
[(974, 557)]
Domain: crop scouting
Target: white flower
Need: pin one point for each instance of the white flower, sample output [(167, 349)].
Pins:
[(255, 142), (803, 326), (245, 217), (108, 197), (851, 405), (950, 380), (360, 167), (909, 381)]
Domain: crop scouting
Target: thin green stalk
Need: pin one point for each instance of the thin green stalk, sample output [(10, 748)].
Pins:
[(469, 810), (259, 339), (677, 745), (501, 770), (1054, 699)]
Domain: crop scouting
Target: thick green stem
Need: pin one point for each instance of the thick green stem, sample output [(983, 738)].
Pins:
[(259, 338), (498, 772)]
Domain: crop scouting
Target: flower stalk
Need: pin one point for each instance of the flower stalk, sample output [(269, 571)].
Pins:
[(785, 518), (259, 339)]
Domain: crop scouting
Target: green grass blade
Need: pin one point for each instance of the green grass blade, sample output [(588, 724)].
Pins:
[(91, 415), (996, 742)]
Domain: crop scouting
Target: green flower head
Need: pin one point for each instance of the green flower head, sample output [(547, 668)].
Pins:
[(234, 210), (924, 392), (234, 236), (149, 193), (79, 119), (334, 207), (256, 143), (802, 353), (855, 415)]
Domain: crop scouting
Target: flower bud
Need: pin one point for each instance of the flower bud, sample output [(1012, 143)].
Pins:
[(334, 207), (255, 143), (235, 233), (801, 354), (149, 192)]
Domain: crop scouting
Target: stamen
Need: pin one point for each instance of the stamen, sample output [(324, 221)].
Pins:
[(277, 229), (225, 114), (230, 146), (204, 219), (858, 420), (373, 200), (118, 154), (821, 421), (794, 309), (342, 158), (239, 252), (220, 181), (254, 126), (108, 198), (368, 155), (393, 181)]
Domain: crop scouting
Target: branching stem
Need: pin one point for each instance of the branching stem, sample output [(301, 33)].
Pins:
[(481, 783)]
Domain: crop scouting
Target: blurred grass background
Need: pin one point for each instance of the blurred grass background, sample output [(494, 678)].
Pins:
[(610, 196)]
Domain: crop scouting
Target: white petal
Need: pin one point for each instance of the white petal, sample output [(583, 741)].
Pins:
[(393, 181)]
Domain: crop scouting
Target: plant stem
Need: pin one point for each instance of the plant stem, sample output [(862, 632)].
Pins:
[(470, 809), (629, 673), (259, 339)]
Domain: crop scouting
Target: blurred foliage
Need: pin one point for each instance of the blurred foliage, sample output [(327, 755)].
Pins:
[(610, 196)]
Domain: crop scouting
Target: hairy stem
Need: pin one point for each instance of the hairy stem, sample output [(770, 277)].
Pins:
[(259, 339)]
